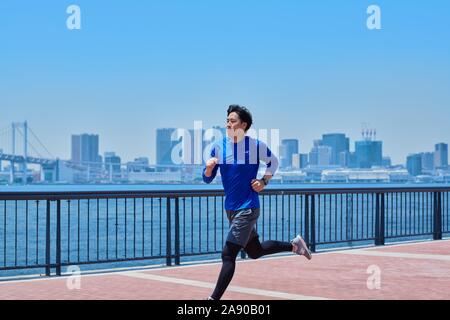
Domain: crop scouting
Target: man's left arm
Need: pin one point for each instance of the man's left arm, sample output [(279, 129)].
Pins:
[(271, 161)]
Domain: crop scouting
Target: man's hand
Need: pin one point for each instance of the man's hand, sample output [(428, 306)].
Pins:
[(210, 165), (258, 185)]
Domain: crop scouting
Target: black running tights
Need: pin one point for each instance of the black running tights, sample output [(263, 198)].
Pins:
[(254, 249)]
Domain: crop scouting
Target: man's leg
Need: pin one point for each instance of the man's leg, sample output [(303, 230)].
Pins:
[(229, 254), (256, 249)]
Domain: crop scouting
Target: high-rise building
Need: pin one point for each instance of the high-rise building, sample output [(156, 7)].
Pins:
[(303, 160), (347, 159), (76, 148), (344, 159), (427, 161), (441, 156), (296, 161), (338, 143), (313, 157), (320, 155), (414, 164), (85, 149), (299, 161), (368, 153), (289, 147), (352, 162), (325, 154), (386, 162), (112, 162), (164, 146)]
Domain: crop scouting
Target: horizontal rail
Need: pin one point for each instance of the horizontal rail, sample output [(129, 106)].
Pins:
[(55, 195)]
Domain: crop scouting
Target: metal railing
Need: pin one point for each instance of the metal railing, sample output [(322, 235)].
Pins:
[(51, 230)]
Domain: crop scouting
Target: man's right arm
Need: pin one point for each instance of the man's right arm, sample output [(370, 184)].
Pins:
[(210, 172)]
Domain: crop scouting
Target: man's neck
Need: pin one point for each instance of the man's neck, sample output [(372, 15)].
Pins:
[(238, 139)]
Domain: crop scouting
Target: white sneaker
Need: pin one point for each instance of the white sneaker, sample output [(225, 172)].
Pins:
[(299, 247)]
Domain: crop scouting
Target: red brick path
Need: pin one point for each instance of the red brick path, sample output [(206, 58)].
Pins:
[(332, 275)]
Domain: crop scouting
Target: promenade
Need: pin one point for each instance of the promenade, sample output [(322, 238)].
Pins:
[(402, 271)]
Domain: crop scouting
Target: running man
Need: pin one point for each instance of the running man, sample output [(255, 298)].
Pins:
[(238, 157)]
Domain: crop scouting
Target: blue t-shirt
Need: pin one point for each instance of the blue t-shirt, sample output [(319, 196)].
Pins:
[(239, 164)]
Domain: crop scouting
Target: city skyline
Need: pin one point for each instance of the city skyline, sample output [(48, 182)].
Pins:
[(88, 151), (331, 159), (305, 146), (304, 68)]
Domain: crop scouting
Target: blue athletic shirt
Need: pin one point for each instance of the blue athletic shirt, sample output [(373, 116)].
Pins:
[(239, 164)]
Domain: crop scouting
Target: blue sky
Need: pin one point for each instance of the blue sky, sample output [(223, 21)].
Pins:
[(304, 67)]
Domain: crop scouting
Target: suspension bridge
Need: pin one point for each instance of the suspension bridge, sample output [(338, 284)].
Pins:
[(20, 147)]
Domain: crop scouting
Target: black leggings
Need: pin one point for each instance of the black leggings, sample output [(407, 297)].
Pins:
[(254, 249)]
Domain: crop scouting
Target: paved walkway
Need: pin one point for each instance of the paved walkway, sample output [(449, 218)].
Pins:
[(404, 271)]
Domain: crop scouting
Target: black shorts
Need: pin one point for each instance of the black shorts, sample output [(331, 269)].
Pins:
[(242, 225)]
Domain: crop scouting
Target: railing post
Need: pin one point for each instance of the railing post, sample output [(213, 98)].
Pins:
[(58, 237), (382, 220), (177, 231), (168, 235), (437, 216), (379, 220), (307, 239), (313, 223), (47, 240)]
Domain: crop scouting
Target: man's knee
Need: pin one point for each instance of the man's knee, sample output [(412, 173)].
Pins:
[(253, 255), (227, 257), (230, 251), (253, 252), (253, 249)]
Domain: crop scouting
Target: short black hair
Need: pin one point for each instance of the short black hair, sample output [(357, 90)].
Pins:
[(243, 113)]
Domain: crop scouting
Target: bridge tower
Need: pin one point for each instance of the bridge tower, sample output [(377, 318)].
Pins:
[(23, 165)]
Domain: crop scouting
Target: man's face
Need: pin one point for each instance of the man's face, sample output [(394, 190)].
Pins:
[(235, 127)]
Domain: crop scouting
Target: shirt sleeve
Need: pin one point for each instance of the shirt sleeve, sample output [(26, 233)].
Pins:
[(270, 159), (214, 172)]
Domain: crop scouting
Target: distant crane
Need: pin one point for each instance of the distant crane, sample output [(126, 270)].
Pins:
[(367, 133)]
